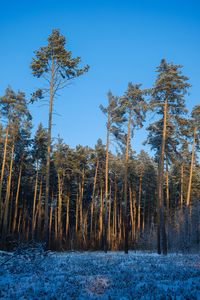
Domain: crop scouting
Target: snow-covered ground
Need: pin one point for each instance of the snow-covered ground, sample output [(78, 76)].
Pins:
[(96, 275)]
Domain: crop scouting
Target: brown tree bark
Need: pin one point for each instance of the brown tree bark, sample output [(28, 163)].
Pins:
[(125, 186)]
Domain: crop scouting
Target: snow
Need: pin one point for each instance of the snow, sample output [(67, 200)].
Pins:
[(99, 275)]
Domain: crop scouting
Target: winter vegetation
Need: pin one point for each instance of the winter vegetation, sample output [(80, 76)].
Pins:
[(94, 199), (32, 273)]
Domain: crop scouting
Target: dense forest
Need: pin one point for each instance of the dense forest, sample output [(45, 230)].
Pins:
[(90, 198)]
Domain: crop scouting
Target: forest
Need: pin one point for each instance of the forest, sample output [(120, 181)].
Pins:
[(91, 198)]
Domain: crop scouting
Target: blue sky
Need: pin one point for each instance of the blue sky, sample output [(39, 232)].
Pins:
[(122, 41)]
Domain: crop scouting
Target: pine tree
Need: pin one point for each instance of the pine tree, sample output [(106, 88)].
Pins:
[(167, 99), (133, 108), (112, 117), (56, 66)]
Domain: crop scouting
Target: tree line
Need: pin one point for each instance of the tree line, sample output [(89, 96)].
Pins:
[(91, 198)]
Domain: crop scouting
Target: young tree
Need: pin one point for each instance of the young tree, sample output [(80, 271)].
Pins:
[(57, 67)]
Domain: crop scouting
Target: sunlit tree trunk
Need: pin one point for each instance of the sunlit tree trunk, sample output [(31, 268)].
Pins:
[(101, 216), (125, 185), (34, 202), (17, 195), (191, 168), (93, 199), (6, 204), (67, 216), (160, 188), (46, 220), (109, 218), (4, 158)]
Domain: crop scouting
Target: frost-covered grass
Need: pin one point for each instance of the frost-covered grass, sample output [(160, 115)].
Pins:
[(96, 275)]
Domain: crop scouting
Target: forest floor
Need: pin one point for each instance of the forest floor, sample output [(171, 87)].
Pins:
[(99, 275)]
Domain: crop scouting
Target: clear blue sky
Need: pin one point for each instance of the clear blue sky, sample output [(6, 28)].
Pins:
[(122, 41)]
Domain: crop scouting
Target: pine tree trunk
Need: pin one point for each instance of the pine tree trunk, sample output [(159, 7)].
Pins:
[(59, 210), (50, 219), (46, 220), (109, 217), (56, 220), (77, 207), (144, 209), (81, 187), (131, 211), (67, 217), (93, 199), (125, 186), (134, 217), (34, 203), (188, 211), (115, 210), (106, 185), (167, 185), (101, 217), (4, 162), (39, 235), (139, 204), (6, 204), (161, 182), (182, 187), (191, 168), (17, 195)]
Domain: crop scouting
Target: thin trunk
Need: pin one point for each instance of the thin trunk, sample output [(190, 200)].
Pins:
[(134, 216), (139, 203), (17, 195), (59, 210), (115, 210), (77, 207), (19, 221), (144, 209), (6, 204), (93, 199), (101, 216), (4, 157), (56, 220), (125, 186), (109, 217), (191, 168), (81, 200), (161, 196), (34, 202), (106, 185), (182, 187), (39, 211), (131, 211), (167, 185), (46, 220), (67, 216), (188, 208), (50, 219)]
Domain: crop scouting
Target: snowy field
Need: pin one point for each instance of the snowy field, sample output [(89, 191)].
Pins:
[(96, 275)]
